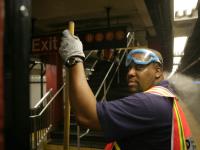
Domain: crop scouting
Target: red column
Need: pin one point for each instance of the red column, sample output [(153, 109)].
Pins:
[(54, 80), (1, 77)]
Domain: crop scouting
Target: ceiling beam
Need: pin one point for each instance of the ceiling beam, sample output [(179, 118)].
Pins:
[(146, 18)]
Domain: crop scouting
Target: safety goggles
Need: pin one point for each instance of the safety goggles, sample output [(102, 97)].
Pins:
[(141, 57)]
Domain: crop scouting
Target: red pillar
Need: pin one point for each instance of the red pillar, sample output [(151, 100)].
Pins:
[(1, 77), (54, 80)]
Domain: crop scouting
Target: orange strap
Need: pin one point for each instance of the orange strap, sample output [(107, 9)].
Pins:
[(180, 128)]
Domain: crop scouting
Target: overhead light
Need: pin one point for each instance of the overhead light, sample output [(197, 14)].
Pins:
[(181, 5), (184, 7), (179, 45), (176, 60), (179, 13), (188, 12), (174, 68)]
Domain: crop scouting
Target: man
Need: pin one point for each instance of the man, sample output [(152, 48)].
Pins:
[(145, 120)]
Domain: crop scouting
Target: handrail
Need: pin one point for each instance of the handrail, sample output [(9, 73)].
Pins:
[(92, 67), (130, 40), (85, 133), (94, 64), (104, 79), (42, 121), (90, 53), (34, 116), (43, 98), (114, 74)]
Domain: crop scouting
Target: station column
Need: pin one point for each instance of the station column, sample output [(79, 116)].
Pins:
[(54, 80)]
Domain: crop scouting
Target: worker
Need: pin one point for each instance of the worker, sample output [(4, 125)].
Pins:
[(149, 119)]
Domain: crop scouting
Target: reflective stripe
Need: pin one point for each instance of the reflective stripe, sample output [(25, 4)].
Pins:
[(172, 134), (159, 90), (179, 124), (180, 127), (116, 146), (111, 146)]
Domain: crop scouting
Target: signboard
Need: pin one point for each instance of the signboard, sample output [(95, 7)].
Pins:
[(45, 44), (91, 39)]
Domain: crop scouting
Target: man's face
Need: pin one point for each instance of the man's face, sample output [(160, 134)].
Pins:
[(141, 77)]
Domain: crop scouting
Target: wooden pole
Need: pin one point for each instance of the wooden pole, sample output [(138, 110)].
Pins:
[(71, 27), (67, 102)]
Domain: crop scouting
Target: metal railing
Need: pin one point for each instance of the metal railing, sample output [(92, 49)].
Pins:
[(90, 53), (113, 76), (88, 71), (103, 83), (41, 113), (42, 118)]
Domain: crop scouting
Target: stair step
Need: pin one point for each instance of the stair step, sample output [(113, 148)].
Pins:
[(92, 143), (60, 147), (93, 139)]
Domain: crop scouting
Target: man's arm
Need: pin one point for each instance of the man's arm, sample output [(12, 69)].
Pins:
[(82, 98)]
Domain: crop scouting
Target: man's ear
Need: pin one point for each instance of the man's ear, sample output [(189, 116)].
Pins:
[(159, 71)]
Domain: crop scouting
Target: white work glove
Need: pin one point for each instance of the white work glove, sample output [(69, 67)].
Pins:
[(70, 46)]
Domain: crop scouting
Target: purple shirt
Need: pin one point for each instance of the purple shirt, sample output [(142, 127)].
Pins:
[(138, 122)]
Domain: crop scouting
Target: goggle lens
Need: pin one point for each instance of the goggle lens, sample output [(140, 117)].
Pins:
[(141, 57)]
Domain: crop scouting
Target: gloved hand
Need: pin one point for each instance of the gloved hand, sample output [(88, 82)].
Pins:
[(70, 46)]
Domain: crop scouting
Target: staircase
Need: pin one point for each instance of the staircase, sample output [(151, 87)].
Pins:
[(92, 139)]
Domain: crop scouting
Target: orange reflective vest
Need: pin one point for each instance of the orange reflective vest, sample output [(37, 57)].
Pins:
[(180, 129)]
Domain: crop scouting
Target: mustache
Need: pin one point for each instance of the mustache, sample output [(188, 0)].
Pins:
[(132, 79)]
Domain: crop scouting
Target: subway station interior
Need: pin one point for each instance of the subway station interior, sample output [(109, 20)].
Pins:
[(35, 113)]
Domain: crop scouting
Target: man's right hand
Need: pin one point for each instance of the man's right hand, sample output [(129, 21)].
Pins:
[(70, 46)]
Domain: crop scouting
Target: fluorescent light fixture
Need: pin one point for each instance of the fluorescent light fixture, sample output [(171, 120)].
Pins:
[(179, 45), (184, 5), (188, 12), (174, 68), (176, 60), (179, 13)]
